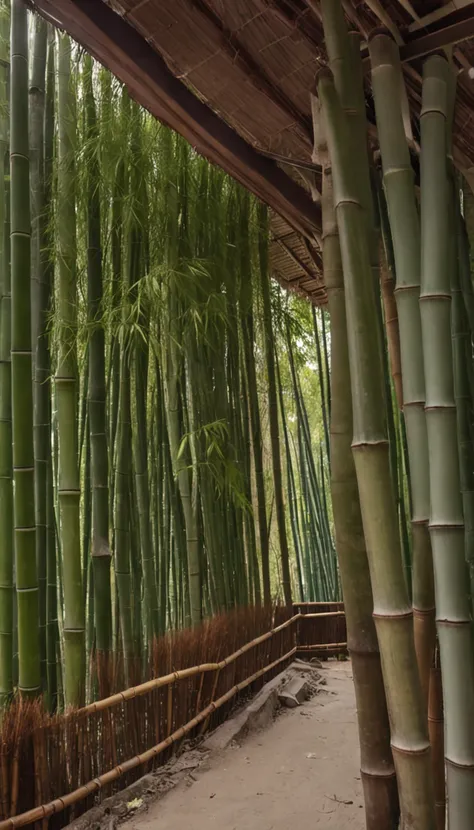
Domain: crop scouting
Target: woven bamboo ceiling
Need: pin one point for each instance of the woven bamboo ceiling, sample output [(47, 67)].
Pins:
[(234, 78)]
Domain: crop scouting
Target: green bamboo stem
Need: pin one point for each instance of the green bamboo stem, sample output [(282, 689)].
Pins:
[(21, 366), (41, 290), (387, 80), (6, 471), (174, 374), (269, 346), (123, 575), (48, 281), (140, 438), (66, 390), (248, 336), (392, 611), (100, 552), (377, 770), (464, 380), (323, 384), (446, 517)]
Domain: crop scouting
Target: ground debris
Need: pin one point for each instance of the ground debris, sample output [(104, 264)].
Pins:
[(339, 800)]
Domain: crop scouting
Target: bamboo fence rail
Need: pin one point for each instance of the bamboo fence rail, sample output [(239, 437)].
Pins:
[(132, 731)]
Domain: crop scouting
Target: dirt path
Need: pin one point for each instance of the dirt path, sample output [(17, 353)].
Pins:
[(303, 769)]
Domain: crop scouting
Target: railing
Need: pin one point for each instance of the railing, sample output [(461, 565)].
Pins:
[(322, 629), (93, 751)]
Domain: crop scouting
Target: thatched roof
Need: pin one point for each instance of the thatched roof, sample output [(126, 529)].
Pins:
[(234, 77)]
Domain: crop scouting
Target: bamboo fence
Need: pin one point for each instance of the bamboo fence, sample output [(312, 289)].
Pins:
[(52, 769)]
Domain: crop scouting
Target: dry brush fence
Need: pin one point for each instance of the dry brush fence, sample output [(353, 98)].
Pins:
[(55, 768)]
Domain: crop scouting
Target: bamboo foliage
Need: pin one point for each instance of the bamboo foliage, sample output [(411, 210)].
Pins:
[(165, 463)]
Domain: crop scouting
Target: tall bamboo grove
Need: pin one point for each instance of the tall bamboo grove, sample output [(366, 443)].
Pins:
[(160, 477)]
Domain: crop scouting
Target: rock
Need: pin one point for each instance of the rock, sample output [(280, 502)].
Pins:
[(294, 693), (302, 665)]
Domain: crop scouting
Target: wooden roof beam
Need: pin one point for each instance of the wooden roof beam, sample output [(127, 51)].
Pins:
[(117, 45), (453, 28)]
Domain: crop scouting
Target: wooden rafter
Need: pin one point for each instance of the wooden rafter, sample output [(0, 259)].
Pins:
[(117, 45), (454, 28)]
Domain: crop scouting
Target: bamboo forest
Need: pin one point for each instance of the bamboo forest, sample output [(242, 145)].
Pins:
[(209, 475)]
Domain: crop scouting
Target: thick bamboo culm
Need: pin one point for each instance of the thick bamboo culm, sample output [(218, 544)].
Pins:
[(108, 733), (436, 730), (387, 286), (387, 81), (377, 768), (446, 517), (392, 611)]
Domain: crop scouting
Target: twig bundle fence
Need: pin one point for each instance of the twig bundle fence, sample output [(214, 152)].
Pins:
[(53, 769)]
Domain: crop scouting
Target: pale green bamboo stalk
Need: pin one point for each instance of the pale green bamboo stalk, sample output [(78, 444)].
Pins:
[(40, 309), (174, 373), (100, 552), (21, 367), (48, 277), (387, 81), (377, 770), (466, 428), (269, 347), (446, 516), (66, 391), (6, 470), (392, 611)]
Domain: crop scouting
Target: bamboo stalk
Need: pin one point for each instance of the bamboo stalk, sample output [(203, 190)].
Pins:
[(21, 365), (6, 462), (66, 389), (436, 730), (387, 81), (392, 612), (446, 517), (377, 769), (40, 302), (101, 555)]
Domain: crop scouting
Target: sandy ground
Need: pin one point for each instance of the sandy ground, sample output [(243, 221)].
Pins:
[(302, 770)]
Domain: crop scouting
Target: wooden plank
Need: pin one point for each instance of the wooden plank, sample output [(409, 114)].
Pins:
[(119, 47), (454, 28)]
